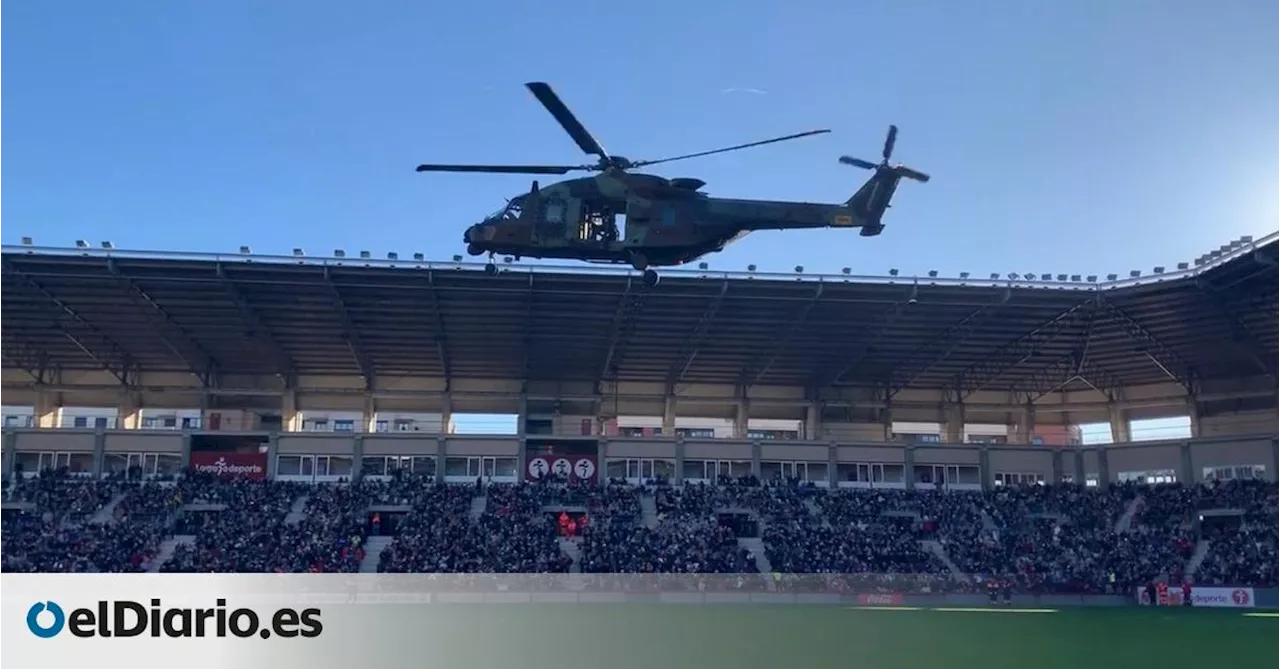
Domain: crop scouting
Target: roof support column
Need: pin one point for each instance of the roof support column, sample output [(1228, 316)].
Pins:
[(1275, 456), (1026, 427), (909, 466), (1193, 416), (1186, 473), (48, 409), (669, 416), (741, 418), (1056, 465), (813, 421), (99, 452), (130, 412), (1120, 428), (985, 478), (290, 416), (369, 417), (1078, 465), (522, 417), (953, 424), (9, 452), (1104, 469), (446, 414)]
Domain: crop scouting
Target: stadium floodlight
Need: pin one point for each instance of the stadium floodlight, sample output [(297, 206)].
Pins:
[(393, 256), (893, 272), (1092, 278), (1046, 277), (702, 266), (1246, 239), (964, 275), (508, 259), (751, 268), (1075, 278), (298, 253), (1183, 266), (419, 257), (799, 269), (27, 241), (1063, 277), (1029, 276), (1157, 270), (245, 250), (846, 271), (457, 258), (339, 253), (1013, 276), (1133, 274), (1112, 277), (995, 276), (82, 244), (933, 274), (365, 255), (108, 245)]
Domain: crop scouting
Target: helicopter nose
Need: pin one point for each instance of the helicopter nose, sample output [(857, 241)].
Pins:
[(466, 235)]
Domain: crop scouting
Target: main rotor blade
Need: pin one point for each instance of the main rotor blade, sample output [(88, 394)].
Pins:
[(500, 169), (567, 120), (739, 147), (858, 162), (889, 141)]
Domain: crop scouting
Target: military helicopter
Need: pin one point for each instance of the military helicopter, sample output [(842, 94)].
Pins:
[(647, 221)]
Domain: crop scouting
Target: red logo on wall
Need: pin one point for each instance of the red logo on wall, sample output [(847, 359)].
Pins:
[(231, 465)]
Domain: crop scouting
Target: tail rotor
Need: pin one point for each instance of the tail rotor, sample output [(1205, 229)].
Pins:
[(901, 170)]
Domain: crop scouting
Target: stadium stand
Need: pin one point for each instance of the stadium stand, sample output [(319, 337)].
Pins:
[(248, 483)]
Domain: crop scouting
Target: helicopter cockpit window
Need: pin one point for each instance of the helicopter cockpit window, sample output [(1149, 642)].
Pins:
[(510, 212)]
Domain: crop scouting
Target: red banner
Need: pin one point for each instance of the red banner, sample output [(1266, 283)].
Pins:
[(231, 465), (570, 467), (880, 599)]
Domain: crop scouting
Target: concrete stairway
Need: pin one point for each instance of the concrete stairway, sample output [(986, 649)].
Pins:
[(1197, 558), (814, 511), (648, 511), (373, 553), (989, 523), (106, 514), (756, 546), (573, 551), (936, 549), (167, 549), (1125, 522), (478, 505), (298, 511)]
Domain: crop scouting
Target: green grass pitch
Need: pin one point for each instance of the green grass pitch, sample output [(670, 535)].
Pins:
[(795, 636)]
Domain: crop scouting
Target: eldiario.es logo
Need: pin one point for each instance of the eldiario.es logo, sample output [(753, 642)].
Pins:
[(124, 619)]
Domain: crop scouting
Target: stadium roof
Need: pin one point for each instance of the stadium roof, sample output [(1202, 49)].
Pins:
[(132, 311)]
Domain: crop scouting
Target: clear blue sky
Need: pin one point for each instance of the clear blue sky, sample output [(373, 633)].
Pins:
[(1082, 136)]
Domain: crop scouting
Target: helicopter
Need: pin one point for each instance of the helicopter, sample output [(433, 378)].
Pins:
[(622, 217)]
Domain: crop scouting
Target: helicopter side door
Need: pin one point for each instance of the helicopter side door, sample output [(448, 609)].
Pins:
[(555, 220)]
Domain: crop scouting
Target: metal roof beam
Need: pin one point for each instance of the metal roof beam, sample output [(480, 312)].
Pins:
[(33, 360), (1062, 372), (204, 368), (442, 334), (630, 303), (121, 366), (526, 342), (351, 334), (689, 352), (754, 370), (1014, 354), (863, 347), (918, 364), (1225, 306), (1168, 360), (286, 369)]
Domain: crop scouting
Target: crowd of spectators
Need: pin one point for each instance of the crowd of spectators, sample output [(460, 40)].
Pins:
[(1060, 538)]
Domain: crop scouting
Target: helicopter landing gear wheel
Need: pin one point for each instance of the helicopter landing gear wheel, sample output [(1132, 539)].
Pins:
[(639, 262), (651, 278), (491, 269)]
